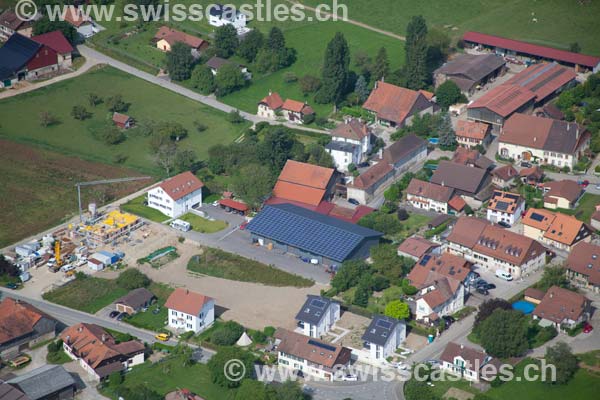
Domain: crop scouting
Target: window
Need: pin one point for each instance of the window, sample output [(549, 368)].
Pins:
[(189, 326), (174, 312), (189, 317)]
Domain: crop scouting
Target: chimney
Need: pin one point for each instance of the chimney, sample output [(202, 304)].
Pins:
[(103, 337), (462, 346), (187, 291)]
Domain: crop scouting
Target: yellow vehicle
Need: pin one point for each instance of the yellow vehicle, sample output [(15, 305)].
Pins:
[(163, 337)]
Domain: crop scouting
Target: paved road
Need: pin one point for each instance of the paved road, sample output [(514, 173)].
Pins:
[(210, 101)]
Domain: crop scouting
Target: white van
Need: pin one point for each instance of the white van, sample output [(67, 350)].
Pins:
[(504, 275), (181, 225)]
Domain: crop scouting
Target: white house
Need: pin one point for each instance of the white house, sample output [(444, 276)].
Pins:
[(270, 105), (429, 196), (505, 207), (350, 143), (190, 311), (463, 361), (318, 315), (383, 336), (220, 15), (177, 195)]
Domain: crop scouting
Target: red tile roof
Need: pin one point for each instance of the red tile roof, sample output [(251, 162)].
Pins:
[(559, 227), (505, 173), (567, 189), (457, 203), (303, 182), (543, 79), (429, 190), (173, 36), (584, 259), (181, 185), (471, 129), (120, 118), (55, 40), (186, 301), (17, 319), (309, 349), (474, 358), (352, 129), (236, 205), (447, 265), (273, 101), (372, 175), (416, 246), (560, 304), (297, 106), (74, 16), (507, 202), (393, 103), (504, 99), (532, 49)]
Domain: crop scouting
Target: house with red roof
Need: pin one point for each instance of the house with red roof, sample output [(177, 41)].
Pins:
[(270, 105), (472, 134), (166, 37), (293, 111), (350, 143), (190, 311), (82, 23), (176, 195), (562, 308), (10, 23), (59, 43)]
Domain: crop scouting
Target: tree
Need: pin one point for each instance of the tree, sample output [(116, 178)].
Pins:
[(185, 160), (363, 62), (171, 130), (80, 113), (418, 390), (318, 156), (416, 52), (250, 45), (203, 79), (504, 333), (226, 41), (278, 146), (7, 268), (252, 183), (165, 157), (382, 222), (402, 214), (397, 309), (227, 334), (235, 117), (110, 135), (93, 99), (447, 93), (446, 132), (361, 89), (116, 104), (363, 291), (44, 25), (274, 55), (251, 389), (387, 262), (553, 276), (229, 79), (562, 358), (309, 84), (575, 47), (487, 308), (47, 119), (381, 66), (219, 361), (132, 278), (180, 62), (335, 71), (288, 390), (349, 274)]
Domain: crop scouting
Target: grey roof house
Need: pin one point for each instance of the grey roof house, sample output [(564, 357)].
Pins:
[(469, 71), (317, 315), (473, 184), (383, 336), (45, 383), (134, 301)]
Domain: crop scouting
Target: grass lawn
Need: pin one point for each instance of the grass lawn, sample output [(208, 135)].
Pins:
[(559, 23), (591, 358), (411, 226), (218, 263), (148, 320), (169, 375), (203, 225), (585, 208), (148, 102), (136, 206), (89, 294), (58, 357)]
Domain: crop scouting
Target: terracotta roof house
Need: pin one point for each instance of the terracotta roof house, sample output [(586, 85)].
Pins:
[(270, 105), (531, 176), (177, 195), (59, 43), (545, 140), (395, 106), (429, 196), (471, 133), (316, 358), (470, 71), (166, 37), (98, 352), (190, 311), (472, 184), (504, 176), (295, 111), (583, 266), (562, 194), (562, 308), (416, 247), (122, 121), (498, 104), (464, 361), (495, 248), (84, 25), (555, 229), (134, 301), (304, 183), (519, 48), (351, 142), (505, 207), (10, 23), (441, 283), (533, 295), (472, 158), (21, 326)]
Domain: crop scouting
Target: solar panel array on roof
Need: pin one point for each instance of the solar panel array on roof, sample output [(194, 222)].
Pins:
[(512, 196), (317, 303), (322, 345), (384, 324), (502, 205), (310, 231), (537, 217), (425, 259), (380, 330)]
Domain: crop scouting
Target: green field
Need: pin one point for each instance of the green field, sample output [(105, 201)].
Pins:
[(148, 102), (203, 225), (89, 294), (136, 206), (559, 22), (585, 207)]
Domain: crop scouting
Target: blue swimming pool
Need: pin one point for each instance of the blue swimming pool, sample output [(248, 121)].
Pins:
[(434, 140), (524, 306)]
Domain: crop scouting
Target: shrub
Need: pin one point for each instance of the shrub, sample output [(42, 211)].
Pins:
[(309, 119), (290, 77), (115, 379), (402, 214), (269, 331), (227, 334), (55, 346), (259, 337), (132, 279), (200, 127), (235, 117)]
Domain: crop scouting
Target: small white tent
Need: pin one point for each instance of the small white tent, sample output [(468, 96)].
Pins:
[(244, 340)]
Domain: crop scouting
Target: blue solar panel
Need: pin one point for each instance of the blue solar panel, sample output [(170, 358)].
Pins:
[(322, 345), (384, 324), (425, 259), (317, 303), (537, 217), (310, 231)]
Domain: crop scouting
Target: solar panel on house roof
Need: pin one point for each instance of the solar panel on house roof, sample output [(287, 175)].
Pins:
[(537, 217), (317, 303), (384, 324), (502, 205), (425, 259), (512, 196), (321, 345)]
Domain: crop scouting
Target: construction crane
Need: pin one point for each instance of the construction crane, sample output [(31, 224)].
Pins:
[(103, 182), (57, 253)]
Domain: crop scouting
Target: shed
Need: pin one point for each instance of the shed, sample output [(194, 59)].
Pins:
[(122, 121), (46, 382), (134, 301), (95, 264), (234, 205)]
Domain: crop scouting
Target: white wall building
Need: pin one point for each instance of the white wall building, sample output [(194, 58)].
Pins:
[(220, 15), (190, 311), (467, 362), (318, 315), (350, 143), (177, 195), (505, 207), (439, 299), (383, 336)]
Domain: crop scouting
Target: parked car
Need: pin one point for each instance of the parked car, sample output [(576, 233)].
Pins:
[(525, 164), (587, 327), (363, 164), (350, 378), (487, 286), (504, 275), (353, 201), (121, 316), (482, 290), (11, 285), (504, 224), (113, 314), (163, 337), (584, 183), (215, 203), (243, 225)]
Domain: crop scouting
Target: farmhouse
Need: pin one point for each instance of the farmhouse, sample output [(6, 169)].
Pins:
[(309, 355), (270, 105), (304, 183), (472, 158), (395, 106), (547, 141), (44, 383), (472, 134), (10, 24), (416, 247), (295, 111), (528, 51), (220, 15), (383, 336), (22, 326), (318, 315), (59, 43), (495, 248), (98, 352), (464, 361), (505, 207), (562, 194), (429, 196), (82, 24), (375, 179), (350, 143), (562, 308), (583, 266), (472, 184), (495, 106), (190, 311), (177, 195), (504, 176), (166, 37), (134, 301), (555, 229), (22, 58), (310, 235), (122, 121), (470, 72)]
